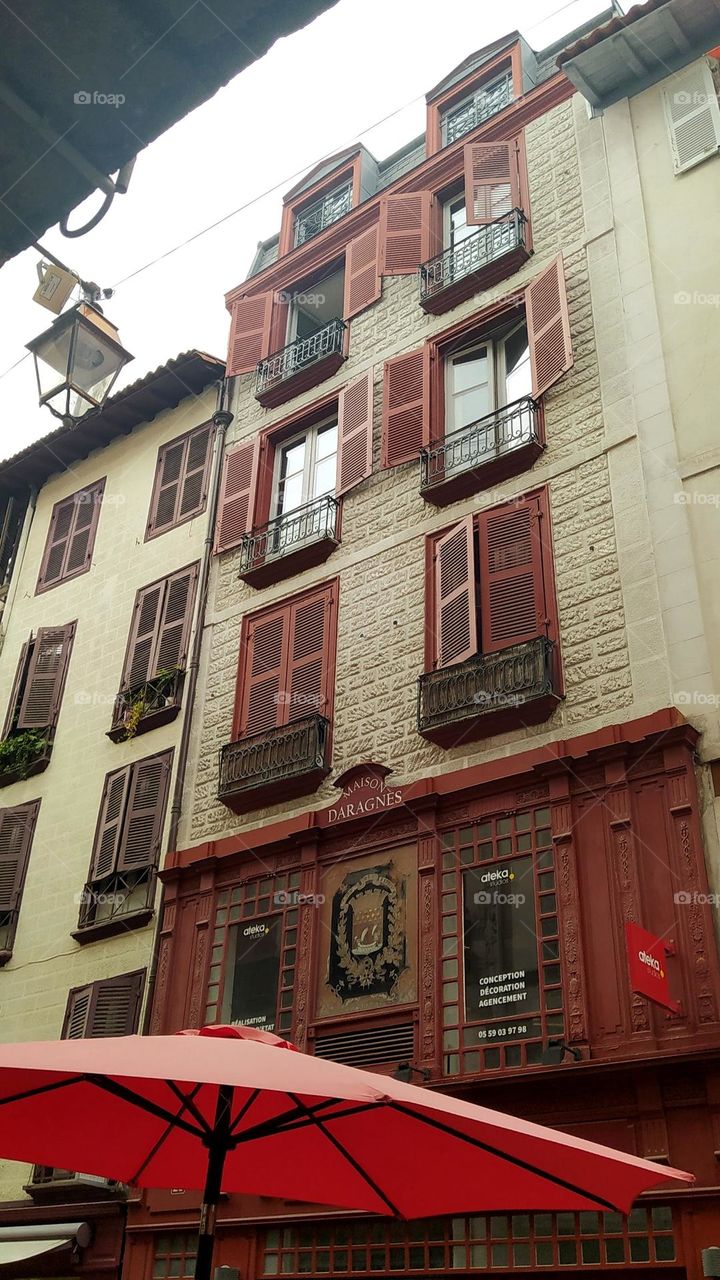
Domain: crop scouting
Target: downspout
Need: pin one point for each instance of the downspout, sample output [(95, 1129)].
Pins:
[(222, 419)]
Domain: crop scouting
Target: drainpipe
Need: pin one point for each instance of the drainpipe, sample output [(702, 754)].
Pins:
[(222, 419)]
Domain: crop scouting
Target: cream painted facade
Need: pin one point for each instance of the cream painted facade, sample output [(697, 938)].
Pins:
[(46, 962)]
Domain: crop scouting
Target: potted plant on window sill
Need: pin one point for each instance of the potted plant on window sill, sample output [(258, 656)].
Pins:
[(24, 753), (154, 703)]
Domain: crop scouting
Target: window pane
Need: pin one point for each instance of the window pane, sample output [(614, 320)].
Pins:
[(327, 441), (324, 477), (518, 378)]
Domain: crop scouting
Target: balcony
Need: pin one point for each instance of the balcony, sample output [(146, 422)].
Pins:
[(491, 253), (49, 1185), (146, 706), (311, 221), (503, 443), (24, 754), (115, 903), (300, 365), (488, 694), (290, 543), (278, 764), (479, 108)]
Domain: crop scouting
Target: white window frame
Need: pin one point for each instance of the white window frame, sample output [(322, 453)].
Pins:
[(292, 320), (498, 373), (307, 433)]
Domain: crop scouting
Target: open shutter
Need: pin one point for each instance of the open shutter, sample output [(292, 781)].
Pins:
[(548, 324), (174, 621), (194, 486), (307, 659), (17, 685), (115, 1006), (16, 832), (263, 691), (82, 538), (167, 484), (355, 433), (76, 1013), (249, 333), (110, 818), (363, 282), (61, 524), (693, 116), (143, 632), (404, 232), (492, 186), (145, 813), (46, 676), (512, 595), (454, 588), (237, 495), (406, 406)]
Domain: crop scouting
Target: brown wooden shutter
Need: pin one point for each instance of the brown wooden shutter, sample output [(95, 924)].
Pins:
[(355, 433), (174, 621), (76, 1013), (71, 537), (181, 480), (46, 677), (363, 282), (307, 677), (167, 484), (249, 333), (17, 685), (404, 232), (548, 323), (109, 824), (237, 495), (145, 813), (82, 538), (492, 186), (263, 693), (194, 488), (406, 406), (143, 631), (455, 618), (61, 524), (512, 594), (110, 1007), (16, 832)]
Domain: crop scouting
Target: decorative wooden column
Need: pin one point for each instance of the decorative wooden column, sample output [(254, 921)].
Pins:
[(624, 864), (159, 994), (429, 1029), (308, 919), (571, 953)]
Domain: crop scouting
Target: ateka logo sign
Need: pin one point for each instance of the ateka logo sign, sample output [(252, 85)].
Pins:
[(364, 793), (646, 959)]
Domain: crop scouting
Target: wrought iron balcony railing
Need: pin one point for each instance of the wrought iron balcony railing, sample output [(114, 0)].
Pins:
[(274, 760), (482, 442), (299, 355), (147, 705), (477, 251), (485, 683), (462, 119), (111, 898), (297, 530), (311, 221)]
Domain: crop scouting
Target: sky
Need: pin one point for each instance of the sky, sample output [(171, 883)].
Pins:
[(358, 73)]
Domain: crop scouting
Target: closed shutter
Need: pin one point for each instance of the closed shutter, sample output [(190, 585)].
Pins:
[(492, 186), (193, 491), (307, 658), (404, 232), (82, 538), (16, 832), (455, 621), (355, 433), (693, 116), (363, 282), (249, 333), (167, 486), (56, 547), (46, 677), (18, 684), (145, 813), (406, 406), (107, 1008), (548, 324), (71, 537), (512, 594), (143, 632), (181, 479), (174, 622), (263, 684), (237, 495), (109, 825)]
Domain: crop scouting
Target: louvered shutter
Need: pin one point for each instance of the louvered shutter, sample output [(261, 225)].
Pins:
[(54, 555), (512, 595), (143, 631), (454, 588), (16, 832), (167, 485), (71, 537), (20, 673), (249, 333), (237, 495), (109, 826), (355, 433), (363, 282), (404, 232), (76, 1013), (46, 676), (264, 690), (548, 323), (107, 1008), (693, 116), (145, 813), (406, 406), (174, 622), (307, 657), (193, 494), (491, 181), (82, 538)]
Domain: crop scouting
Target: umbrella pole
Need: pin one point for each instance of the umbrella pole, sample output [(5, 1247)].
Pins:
[(218, 1147)]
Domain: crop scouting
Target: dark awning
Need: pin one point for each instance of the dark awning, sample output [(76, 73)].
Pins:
[(20, 1244)]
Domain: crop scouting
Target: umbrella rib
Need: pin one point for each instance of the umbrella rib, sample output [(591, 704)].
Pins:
[(144, 1104), (42, 1088), (320, 1124), (503, 1155), (282, 1123), (187, 1102), (244, 1110)]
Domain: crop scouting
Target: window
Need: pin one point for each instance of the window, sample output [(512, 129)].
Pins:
[(120, 888), (17, 827), (313, 307), (175, 1256), (110, 1007), (315, 217), (478, 106), (305, 469), (34, 704), (71, 537), (486, 376), (455, 223), (181, 480), (692, 115)]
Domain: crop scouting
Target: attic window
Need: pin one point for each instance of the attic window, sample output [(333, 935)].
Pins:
[(315, 217), (483, 102)]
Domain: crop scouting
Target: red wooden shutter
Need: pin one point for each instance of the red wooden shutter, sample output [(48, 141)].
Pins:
[(16, 832), (249, 333), (512, 594), (143, 632), (18, 682), (363, 282), (404, 232), (264, 692), (548, 324), (173, 630), (46, 676), (355, 433), (237, 495), (455, 606), (193, 493), (109, 824), (145, 813), (492, 186), (406, 406), (307, 657)]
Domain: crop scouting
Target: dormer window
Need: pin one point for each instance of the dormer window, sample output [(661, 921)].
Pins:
[(313, 219), (483, 102)]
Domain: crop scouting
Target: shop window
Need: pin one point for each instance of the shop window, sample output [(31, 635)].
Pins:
[(175, 1256)]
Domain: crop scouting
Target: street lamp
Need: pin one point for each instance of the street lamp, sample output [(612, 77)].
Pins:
[(77, 361)]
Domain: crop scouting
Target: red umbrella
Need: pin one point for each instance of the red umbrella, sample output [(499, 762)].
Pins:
[(223, 1110)]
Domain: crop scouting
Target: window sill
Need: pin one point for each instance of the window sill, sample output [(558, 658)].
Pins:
[(111, 928), (152, 720), (4, 957), (38, 766), (75, 1188)]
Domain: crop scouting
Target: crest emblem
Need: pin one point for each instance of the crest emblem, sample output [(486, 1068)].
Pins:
[(367, 950)]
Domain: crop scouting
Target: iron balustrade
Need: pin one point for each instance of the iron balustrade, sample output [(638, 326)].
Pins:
[(275, 755), (311, 221), (473, 253), (118, 894), (162, 691), (491, 437), (485, 683), (297, 355), (459, 121), (289, 532)]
